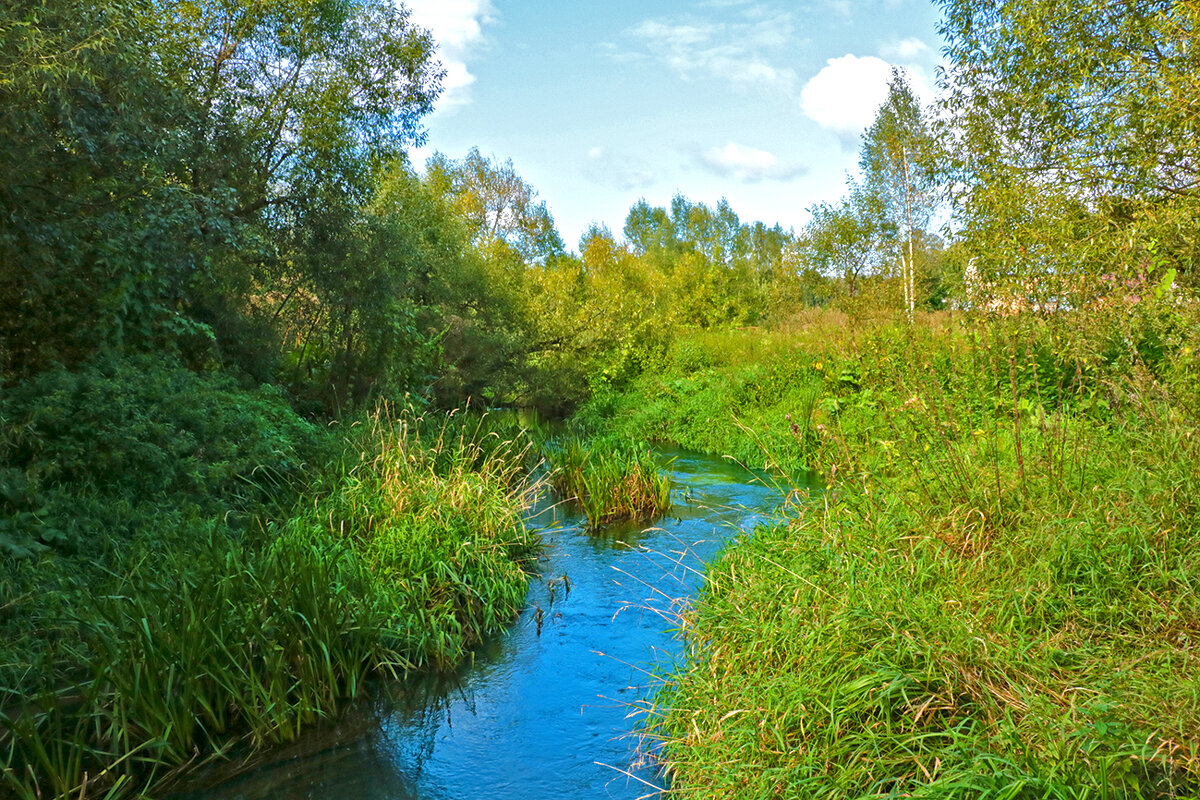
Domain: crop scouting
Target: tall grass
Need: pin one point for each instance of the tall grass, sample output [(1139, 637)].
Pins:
[(406, 554), (995, 597), (611, 480), (753, 396), (436, 511)]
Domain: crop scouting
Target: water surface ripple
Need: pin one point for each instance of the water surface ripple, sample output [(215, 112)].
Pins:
[(548, 709)]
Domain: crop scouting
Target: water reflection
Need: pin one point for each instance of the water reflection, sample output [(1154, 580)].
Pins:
[(551, 707)]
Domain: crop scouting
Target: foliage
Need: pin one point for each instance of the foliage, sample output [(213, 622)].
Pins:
[(842, 241), (974, 605), (714, 265), (1073, 131), (182, 176), (141, 432), (99, 233), (497, 205)]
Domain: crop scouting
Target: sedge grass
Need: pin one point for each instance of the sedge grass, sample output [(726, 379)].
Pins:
[(406, 554), (611, 482)]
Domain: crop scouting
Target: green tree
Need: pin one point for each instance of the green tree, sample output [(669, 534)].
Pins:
[(99, 233), (1074, 133), (498, 205), (716, 266), (842, 242), (898, 163), (301, 104)]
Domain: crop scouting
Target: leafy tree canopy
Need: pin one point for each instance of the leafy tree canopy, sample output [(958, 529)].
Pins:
[(1075, 133)]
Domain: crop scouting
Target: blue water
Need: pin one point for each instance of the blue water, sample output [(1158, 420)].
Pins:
[(552, 707)]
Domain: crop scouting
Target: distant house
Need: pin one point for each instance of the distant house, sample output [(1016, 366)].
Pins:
[(1051, 293), (1013, 296)]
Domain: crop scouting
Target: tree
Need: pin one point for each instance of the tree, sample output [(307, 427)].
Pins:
[(299, 93), (99, 233), (182, 172), (713, 263), (300, 106), (898, 165), (649, 229), (498, 205), (1074, 133), (842, 242)]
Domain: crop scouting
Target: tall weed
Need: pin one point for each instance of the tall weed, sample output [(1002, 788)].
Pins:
[(995, 596)]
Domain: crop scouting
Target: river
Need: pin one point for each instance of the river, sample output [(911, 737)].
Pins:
[(550, 708)]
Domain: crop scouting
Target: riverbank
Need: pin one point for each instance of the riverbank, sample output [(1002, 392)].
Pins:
[(545, 708), (996, 595), (224, 572)]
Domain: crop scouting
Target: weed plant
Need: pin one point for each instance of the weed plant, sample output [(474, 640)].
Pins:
[(612, 480), (995, 597), (190, 640)]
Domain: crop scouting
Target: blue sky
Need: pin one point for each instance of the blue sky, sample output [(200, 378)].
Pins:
[(599, 104)]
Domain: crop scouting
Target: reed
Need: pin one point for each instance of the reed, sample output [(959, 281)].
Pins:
[(406, 553), (612, 482)]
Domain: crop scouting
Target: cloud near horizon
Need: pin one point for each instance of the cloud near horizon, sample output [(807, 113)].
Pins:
[(618, 171), (749, 164), (457, 27)]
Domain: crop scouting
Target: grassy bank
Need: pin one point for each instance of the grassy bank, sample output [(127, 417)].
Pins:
[(995, 597), (243, 582)]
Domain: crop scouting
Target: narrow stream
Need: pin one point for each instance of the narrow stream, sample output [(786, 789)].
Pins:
[(548, 709)]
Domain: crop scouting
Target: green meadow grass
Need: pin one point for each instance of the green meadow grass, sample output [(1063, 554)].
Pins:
[(995, 596)]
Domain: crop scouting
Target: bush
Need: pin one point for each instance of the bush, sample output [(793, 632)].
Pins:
[(140, 432)]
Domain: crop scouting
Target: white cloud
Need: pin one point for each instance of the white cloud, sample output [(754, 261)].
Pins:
[(748, 164), (840, 7), (904, 50), (846, 94), (620, 172), (457, 27), (738, 51)]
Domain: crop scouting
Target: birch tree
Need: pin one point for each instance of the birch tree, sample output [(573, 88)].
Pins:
[(898, 160)]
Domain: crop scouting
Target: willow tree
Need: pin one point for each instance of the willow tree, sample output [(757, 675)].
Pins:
[(98, 231), (1075, 130), (898, 163)]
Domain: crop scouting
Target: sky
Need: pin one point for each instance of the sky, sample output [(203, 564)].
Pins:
[(600, 103)]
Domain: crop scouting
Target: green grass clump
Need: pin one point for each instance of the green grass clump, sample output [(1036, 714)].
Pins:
[(996, 596), (191, 638), (435, 510), (612, 480)]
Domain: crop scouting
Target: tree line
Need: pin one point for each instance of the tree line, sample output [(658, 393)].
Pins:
[(228, 183)]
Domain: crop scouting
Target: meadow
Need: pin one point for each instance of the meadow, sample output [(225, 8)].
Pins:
[(995, 593)]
